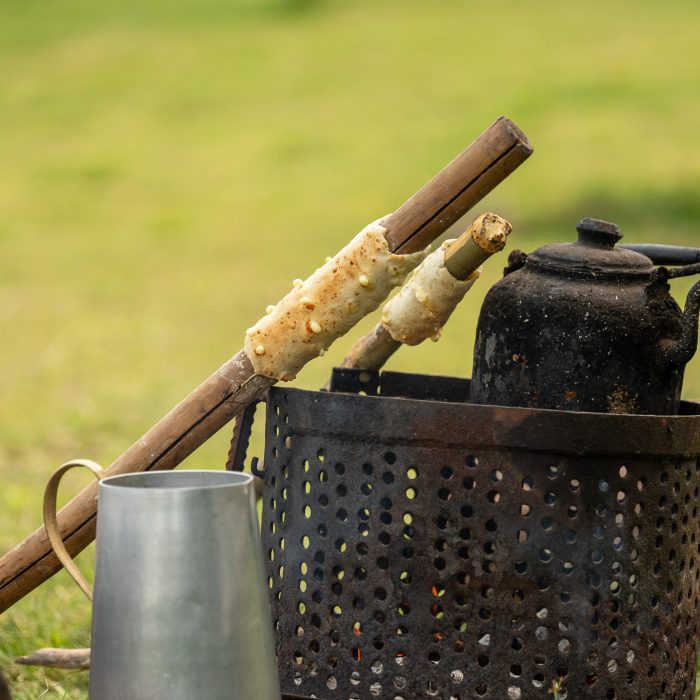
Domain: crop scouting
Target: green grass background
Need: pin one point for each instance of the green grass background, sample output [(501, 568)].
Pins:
[(167, 168)]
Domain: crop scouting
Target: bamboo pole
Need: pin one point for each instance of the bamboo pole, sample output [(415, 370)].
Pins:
[(476, 171)]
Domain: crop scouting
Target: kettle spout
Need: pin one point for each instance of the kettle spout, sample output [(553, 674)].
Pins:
[(680, 352)]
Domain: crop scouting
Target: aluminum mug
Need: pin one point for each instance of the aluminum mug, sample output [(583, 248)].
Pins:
[(180, 606)]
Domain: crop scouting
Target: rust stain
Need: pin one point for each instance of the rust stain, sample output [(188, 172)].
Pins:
[(619, 401)]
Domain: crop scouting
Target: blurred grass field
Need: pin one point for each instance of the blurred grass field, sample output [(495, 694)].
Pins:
[(169, 167)]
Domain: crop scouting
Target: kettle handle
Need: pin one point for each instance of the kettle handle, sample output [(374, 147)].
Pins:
[(51, 521), (661, 254), (681, 350)]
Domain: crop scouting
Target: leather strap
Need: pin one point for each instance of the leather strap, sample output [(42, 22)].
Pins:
[(51, 521)]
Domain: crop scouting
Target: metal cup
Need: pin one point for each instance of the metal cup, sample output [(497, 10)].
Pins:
[(180, 605)]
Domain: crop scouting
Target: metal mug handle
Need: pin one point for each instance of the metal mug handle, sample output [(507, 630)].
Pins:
[(51, 521)]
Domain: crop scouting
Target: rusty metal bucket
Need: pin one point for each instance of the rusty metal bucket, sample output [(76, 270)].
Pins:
[(417, 546)]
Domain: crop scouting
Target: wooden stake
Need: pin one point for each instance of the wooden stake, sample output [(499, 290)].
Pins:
[(57, 658), (472, 175)]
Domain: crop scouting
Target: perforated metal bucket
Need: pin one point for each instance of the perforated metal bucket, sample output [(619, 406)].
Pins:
[(427, 548)]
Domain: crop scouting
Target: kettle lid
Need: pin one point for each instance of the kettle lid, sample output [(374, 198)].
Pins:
[(593, 255)]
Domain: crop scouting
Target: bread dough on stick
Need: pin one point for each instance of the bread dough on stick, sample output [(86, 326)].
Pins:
[(423, 306), (327, 305), (425, 303)]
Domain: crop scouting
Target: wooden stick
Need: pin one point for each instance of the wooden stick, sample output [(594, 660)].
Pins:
[(57, 658), (485, 163), (371, 352), (465, 256)]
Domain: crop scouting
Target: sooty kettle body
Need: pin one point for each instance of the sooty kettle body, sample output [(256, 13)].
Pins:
[(585, 326)]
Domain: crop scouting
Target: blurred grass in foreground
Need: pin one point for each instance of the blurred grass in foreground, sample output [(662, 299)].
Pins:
[(169, 167)]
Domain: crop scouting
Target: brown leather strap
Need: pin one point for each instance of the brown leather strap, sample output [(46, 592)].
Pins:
[(51, 521)]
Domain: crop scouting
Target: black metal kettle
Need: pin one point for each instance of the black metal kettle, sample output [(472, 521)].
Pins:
[(588, 326)]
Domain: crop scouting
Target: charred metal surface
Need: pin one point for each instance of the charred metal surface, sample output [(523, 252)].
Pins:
[(516, 260), (429, 387), (442, 550), (584, 327), (409, 386), (355, 381)]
